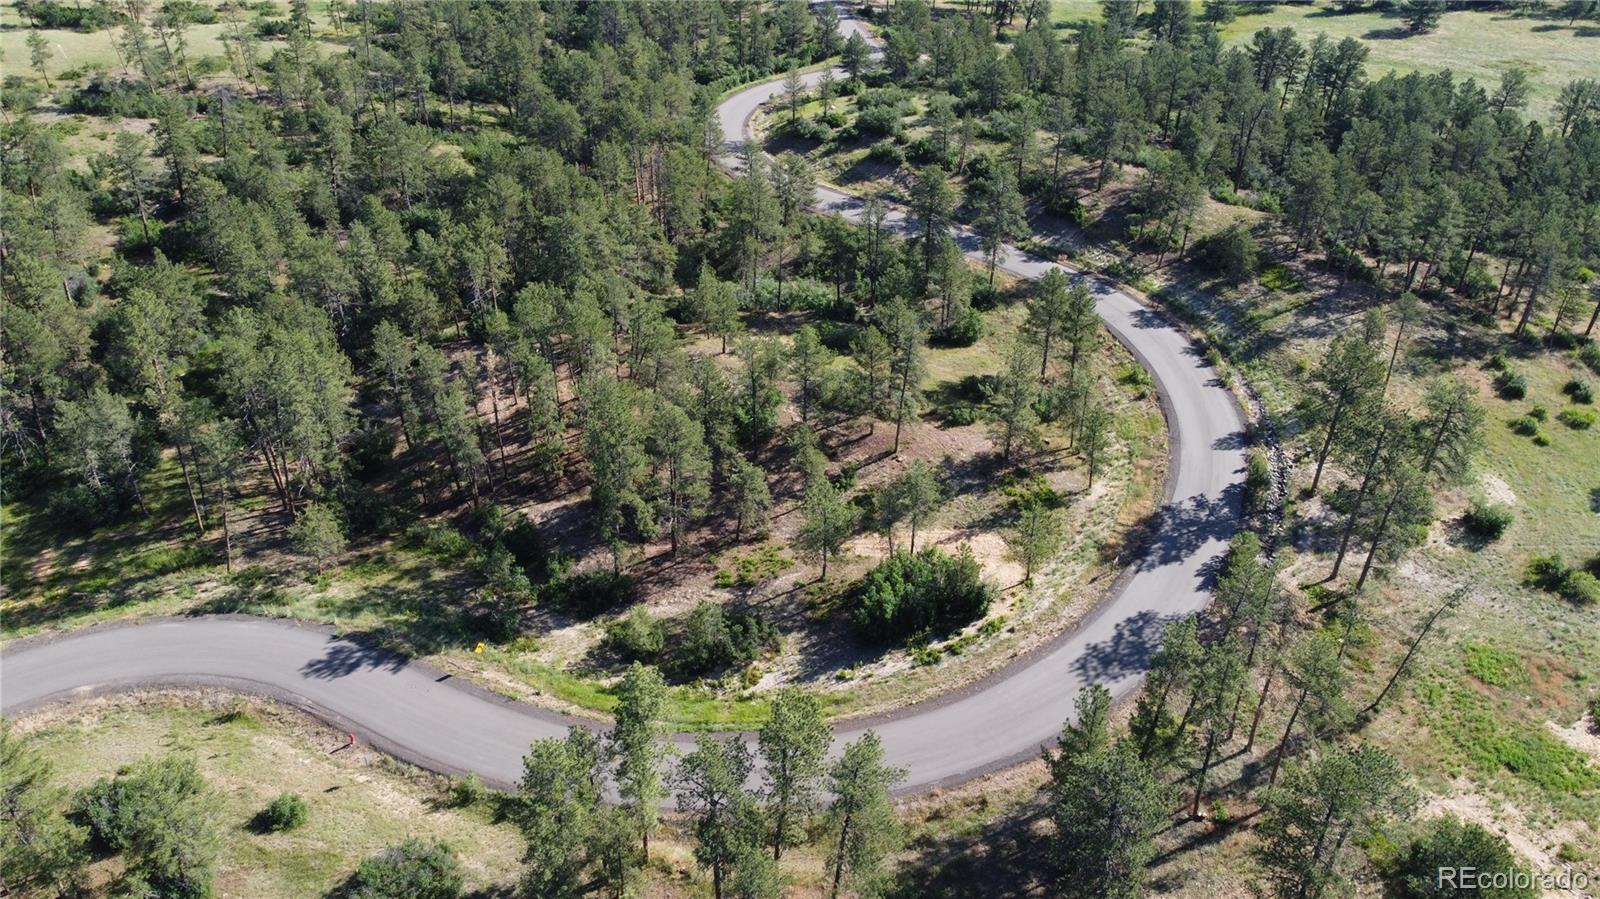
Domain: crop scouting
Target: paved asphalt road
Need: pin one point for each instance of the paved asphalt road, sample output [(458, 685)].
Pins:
[(414, 712)]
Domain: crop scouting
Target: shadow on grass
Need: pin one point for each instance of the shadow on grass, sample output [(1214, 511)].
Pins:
[(1007, 859)]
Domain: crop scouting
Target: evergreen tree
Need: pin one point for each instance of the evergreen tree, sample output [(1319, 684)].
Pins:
[(725, 819), (676, 444), (861, 816), (634, 747), (1106, 804), (829, 520), (1328, 803), (1036, 537), (794, 745), (905, 332), (558, 813), (1012, 403), (41, 852)]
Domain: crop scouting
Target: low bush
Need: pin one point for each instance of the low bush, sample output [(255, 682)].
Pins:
[(712, 639), (965, 330), (1527, 425), (286, 812), (1232, 253), (1511, 384), (591, 592), (1589, 354), (636, 636), (1257, 481), (1581, 587), (467, 791), (74, 17), (930, 592), (1579, 390), (1544, 572), (1486, 519), (1577, 419), (1539, 413), (1452, 843), (887, 151), (411, 870)]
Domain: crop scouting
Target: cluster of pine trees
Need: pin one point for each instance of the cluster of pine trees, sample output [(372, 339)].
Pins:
[(456, 240), (1440, 178)]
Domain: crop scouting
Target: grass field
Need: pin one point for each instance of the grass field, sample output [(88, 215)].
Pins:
[(79, 51), (360, 802), (1480, 44), (1472, 43)]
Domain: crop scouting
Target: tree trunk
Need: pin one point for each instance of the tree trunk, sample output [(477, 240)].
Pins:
[(1283, 744), (838, 862), (1410, 652)]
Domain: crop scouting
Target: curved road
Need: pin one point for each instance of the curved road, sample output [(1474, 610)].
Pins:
[(414, 712)]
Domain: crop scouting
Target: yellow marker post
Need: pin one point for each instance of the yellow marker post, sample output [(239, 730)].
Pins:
[(479, 647)]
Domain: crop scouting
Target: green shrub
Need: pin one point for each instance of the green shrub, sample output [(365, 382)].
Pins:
[(1232, 253), (1257, 481), (930, 592), (1498, 362), (467, 791), (636, 636), (1486, 519), (961, 413), (1512, 385), (411, 870), (712, 639), (1581, 587), (155, 812), (1589, 354), (887, 151), (965, 330), (1539, 413), (528, 547), (1544, 572), (286, 812), (591, 592), (1580, 390), (1451, 843), (1577, 419), (1492, 666), (1527, 425)]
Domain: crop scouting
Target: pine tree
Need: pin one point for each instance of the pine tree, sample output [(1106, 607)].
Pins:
[(1315, 667), (829, 520), (905, 332), (1106, 803), (794, 745), (1331, 801), (751, 497), (724, 818), (914, 497), (1014, 421), (635, 749), (318, 535), (1001, 216), (1036, 537), (861, 815), (558, 813), (874, 357), (677, 445), (808, 362), (41, 852)]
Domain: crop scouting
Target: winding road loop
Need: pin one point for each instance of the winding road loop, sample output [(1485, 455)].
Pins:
[(414, 712)]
